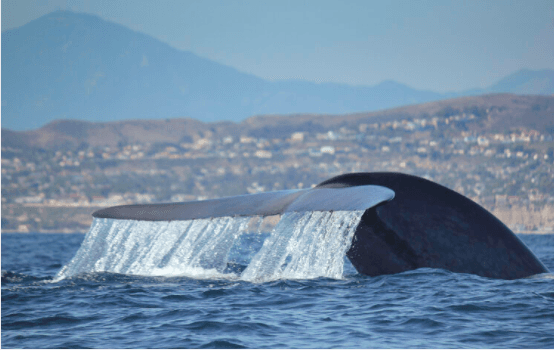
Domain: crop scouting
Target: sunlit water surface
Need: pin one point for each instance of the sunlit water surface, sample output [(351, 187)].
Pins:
[(421, 308)]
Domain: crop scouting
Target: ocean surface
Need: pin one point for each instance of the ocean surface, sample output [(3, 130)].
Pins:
[(56, 295)]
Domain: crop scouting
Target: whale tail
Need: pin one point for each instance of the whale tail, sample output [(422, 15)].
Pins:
[(407, 223)]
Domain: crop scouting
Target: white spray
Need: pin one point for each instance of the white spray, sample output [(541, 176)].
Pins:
[(301, 245)]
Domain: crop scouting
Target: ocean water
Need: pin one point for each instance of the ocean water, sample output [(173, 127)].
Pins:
[(223, 283)]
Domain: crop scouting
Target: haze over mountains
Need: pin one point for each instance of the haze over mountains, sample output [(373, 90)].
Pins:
[(75, 66)]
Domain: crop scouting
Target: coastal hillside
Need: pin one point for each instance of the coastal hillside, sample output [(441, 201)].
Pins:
[(496, 149), (504, 112)]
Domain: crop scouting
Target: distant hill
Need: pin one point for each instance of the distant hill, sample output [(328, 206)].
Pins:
[(526, 82), (508, 112), (76, 66)]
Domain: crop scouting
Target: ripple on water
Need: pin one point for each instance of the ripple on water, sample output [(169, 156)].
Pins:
[(43, 322), (222, 344), (10, 277)]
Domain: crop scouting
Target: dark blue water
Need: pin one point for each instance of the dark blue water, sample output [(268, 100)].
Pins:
[(422, 308)]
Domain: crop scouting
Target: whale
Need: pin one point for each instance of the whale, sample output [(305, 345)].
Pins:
[(429, 225), (408, 223)]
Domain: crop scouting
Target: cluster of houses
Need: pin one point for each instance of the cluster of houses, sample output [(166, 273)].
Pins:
[(512, 168)]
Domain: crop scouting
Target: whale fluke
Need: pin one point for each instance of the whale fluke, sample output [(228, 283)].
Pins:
[(408, 223), (259, 204)]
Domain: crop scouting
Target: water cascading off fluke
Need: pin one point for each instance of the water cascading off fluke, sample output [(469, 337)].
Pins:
[(301, 245), (385, 223)]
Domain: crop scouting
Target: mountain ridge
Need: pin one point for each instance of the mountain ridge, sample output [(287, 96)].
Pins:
[(67, 65)]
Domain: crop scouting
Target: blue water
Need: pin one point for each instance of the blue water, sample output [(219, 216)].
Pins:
[(422, 308)]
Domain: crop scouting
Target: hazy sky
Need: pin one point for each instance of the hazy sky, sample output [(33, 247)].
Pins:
[(435, 45)]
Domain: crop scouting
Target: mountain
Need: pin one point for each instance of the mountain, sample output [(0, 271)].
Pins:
[(75, 66), (66, 65), (526, 82)]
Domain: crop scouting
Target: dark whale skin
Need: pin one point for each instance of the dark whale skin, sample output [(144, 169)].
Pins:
[(429, 225)]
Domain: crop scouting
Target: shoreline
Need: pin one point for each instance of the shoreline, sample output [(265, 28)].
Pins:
[(69, 232)]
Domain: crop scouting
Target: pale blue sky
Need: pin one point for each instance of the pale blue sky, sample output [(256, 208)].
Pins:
[(434, 45)]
